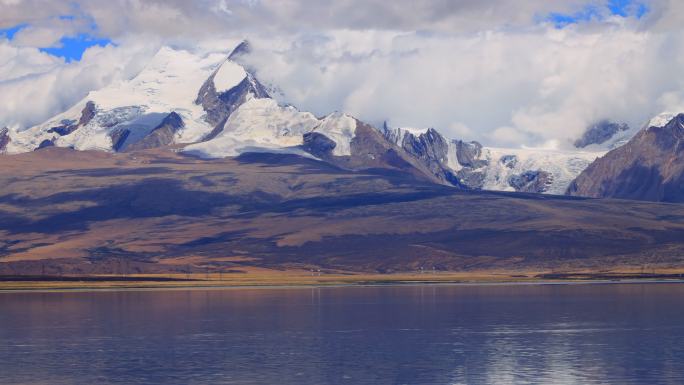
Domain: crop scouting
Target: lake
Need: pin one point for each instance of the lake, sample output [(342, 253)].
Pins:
[(451, 334)]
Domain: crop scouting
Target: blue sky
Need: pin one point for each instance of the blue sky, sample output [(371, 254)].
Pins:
[(9, 32), (72, 48), (69, 48), (624, 8)]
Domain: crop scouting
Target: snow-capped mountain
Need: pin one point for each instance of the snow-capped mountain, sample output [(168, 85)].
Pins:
[(489, 168), (210, 103), (525, 169), (169, 83), (211, 106), (649, 167)]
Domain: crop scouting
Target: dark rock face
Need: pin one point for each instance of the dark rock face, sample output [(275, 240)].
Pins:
[(4, 139), (219, 105), (649, 167), (243, 48), (431, 149), (162, 135), (509, 161), (531, 181), (468, 154), (600, 132), (318, 145), (370, 149), (119, 139), (68, 127), (393, 135), (474, 179), (87, 114), (45, 143)]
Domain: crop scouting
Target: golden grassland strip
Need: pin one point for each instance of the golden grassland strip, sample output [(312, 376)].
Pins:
[(279, 278)]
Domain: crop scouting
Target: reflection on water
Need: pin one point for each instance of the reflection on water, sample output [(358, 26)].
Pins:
[(578, 334)]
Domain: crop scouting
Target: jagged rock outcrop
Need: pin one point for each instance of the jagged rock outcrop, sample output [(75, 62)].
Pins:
[(649, 167), (600, 133), (472, 172), (473, 179), (531, 181), (219, 104), (510, 161), (242, 49), (370, 149), (428, 147), (432, 150), (468, 154), (67, 127), (5, 139)]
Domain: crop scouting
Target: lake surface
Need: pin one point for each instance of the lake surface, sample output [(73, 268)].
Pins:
[(519, 334)]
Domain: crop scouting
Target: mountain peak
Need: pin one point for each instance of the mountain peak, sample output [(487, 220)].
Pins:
[(648, 167), (600, 132), (660, 120), (243, 48)]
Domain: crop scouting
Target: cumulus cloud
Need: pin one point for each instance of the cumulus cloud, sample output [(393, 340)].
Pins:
[(35, 85), (202, 17), (496, 71), (533, 87)]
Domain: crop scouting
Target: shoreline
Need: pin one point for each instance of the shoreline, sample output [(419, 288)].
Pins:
[(147, 283)]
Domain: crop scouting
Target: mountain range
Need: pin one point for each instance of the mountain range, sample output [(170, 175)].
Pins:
[(211, 106), (193, 163)]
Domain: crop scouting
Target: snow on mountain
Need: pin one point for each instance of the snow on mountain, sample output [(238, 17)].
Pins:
[(258, 125), (621, 137), (229, 75), (501, 169), (262, 124), (490, 168), (505, 164), (217, 108), (169, 83), (341, 128), (649, 167), (661, 119), (397, 135)]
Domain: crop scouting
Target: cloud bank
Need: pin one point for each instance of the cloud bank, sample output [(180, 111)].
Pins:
[(496, 71)]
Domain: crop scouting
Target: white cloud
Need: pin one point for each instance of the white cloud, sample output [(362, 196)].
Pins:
[(35, 86), (200, 18), (485, 70), (528, 86)]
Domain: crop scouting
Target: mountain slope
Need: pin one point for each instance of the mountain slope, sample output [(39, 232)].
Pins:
[(68, 211), (649, 167)]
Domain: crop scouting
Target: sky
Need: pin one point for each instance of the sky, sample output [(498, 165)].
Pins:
[(503, 72)]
